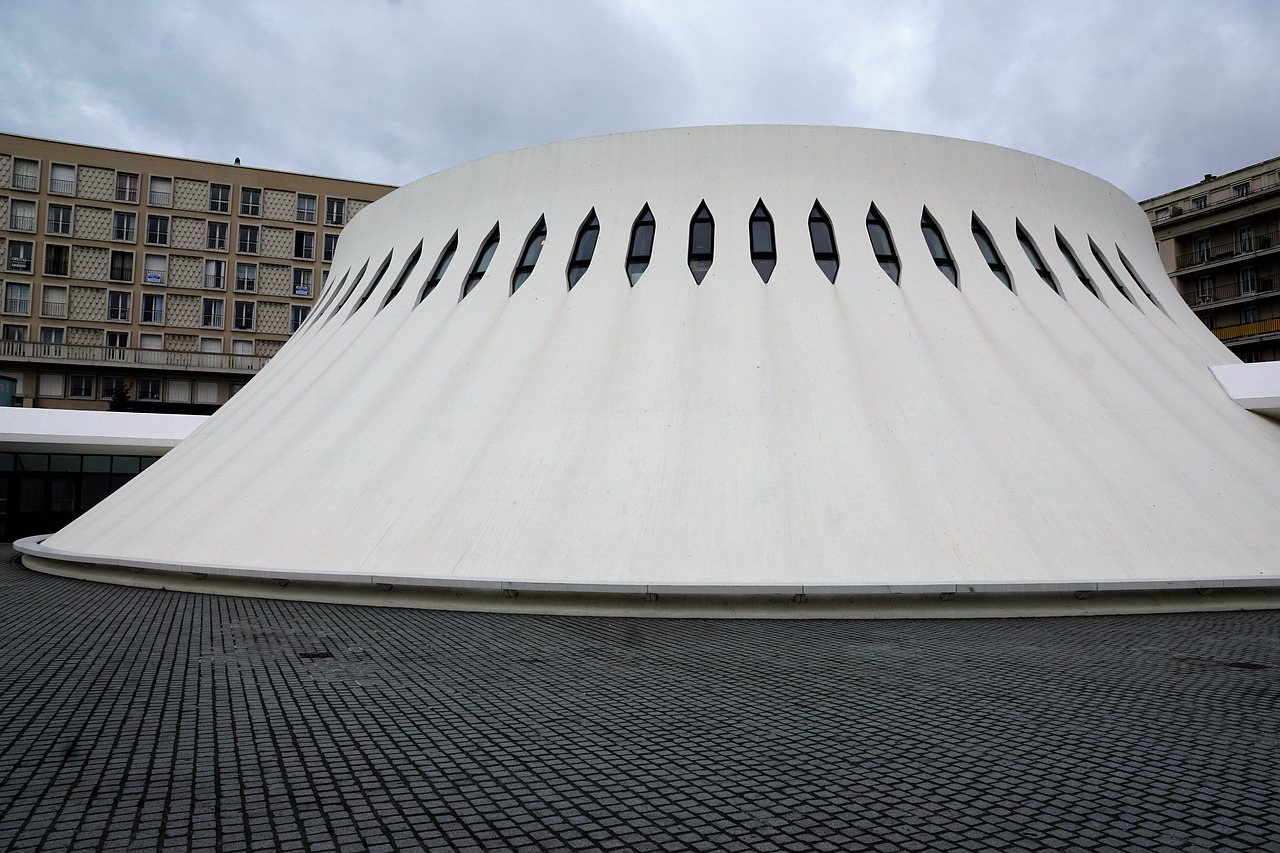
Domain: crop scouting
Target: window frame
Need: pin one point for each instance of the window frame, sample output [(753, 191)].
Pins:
[(300, 212), (118, 271), (60, 227), (216, 236), (219, 202), (119, 306), (251, 201), (157, 219), (124, 226), (128, 186)]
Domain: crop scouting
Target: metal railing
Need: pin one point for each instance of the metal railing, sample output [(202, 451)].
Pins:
[(57, 266), (1247, 330), (36, 350), (18, 222), (53, 308), (126, 193), (1195, 202), (215, 282), (1197, 296), (159, 198), (61, 186), (1233, 248), (25, 182), (17, 305)]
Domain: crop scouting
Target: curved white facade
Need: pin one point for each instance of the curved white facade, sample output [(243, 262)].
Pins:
[(732, 435)]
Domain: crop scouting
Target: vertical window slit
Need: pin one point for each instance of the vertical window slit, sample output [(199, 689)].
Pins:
[(1033, 255), (1110, 273), (938, 247), (882, 243), (823, 239), (331, 292), (702, 242), (529, 255), (640, 249), (405, 272), (377, 278), (442, 264), (584, 247), (764, 255), (989, 251), (481, 263), (1074, 263), (1142, 285), (346, 294)]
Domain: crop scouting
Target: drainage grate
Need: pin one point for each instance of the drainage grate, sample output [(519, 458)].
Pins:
[(314, 655)]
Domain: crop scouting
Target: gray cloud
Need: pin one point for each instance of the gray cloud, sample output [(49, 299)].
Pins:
[(1148, 95)]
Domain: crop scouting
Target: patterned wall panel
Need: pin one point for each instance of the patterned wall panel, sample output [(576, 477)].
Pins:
[(95, 183), (188, 233), (4, 211), (182, 343), (190, 195), (6, 169), (276, 242), (354, 206), (279, 205), (87, 303), (184, 311), (92, 223), (273, 318), (274, 279), (186, 271), (91, 263), (267, 348), (82, 337)]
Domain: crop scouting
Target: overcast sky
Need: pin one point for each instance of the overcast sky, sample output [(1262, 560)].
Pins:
[(1149, 95)]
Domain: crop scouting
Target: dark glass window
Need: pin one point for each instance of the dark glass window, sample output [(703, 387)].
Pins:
[(1110, 273), (764, 254), (823, 238), (938, 247), (702, 242), (1033, 255), (882, 243), (1075, 264), (583, 248), (1142, 285), (481, 263), (377, 278), (529, 255), (405, 272), (442, 264), (989, 252), (641, 246)]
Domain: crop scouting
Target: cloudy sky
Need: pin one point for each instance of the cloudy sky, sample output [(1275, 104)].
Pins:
[(1149, 95)]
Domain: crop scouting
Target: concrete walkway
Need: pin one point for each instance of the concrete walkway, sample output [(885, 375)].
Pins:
[(135, 719)]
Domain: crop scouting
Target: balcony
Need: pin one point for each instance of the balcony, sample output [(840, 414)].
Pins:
[(1230, 293), (74, 354), (1229, 250), (26, 182), (18, 222), (57, 266), (159, 198), (1256, 329), (61, 186), (215, 282), (17, 305)]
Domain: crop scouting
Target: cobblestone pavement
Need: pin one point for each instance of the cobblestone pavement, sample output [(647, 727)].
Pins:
[(148, 720)]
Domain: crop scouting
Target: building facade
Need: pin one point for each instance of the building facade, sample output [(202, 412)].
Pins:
[(1220, 242), (161, 281)]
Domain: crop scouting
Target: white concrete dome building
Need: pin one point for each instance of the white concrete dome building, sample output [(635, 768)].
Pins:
[(702, 364)]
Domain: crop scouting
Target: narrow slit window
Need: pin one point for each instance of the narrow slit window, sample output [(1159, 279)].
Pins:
[(405, 272), (481, 263), (442, 264), (938, 247), (641, 247), (373, 284), (529, 256), (584, 247), (823, 239), (1142, 285), (764, 254), (346, 294), (702, 242), (1033, 255), (1110, 273), (324, 302), (882, 243), (989, 252), (1075, 265)]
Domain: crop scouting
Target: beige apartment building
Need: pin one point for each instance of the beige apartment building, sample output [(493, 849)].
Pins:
[(1220, 242), (171, 280)]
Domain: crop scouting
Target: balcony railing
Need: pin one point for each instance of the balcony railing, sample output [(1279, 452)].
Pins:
[(57, 266), (38, 351), (17, 305), (18, 222), (215, 282), (1235, 290), (153, 277), (61, 186), (53, 308), (26, 182), (127, 194), (159, 198), (20, 264), (1228, 249), (1248, 330)]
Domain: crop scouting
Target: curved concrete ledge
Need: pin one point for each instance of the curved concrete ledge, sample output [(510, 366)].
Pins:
[(906, 601)]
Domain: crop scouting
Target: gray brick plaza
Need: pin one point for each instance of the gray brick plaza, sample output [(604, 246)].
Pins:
[(148, 720)]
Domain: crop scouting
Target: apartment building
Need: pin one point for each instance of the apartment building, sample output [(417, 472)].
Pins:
[(166, 281), (1220, 242)]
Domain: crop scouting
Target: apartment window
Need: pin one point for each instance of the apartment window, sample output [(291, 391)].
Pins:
[(51, 385), (330, 246), (13, 332), (217, 237), (301, 281), (20, 254), (297, 316), (49, 335), (125, 227), (243, 316), (1248, 279), (246, 278), (335, 211), (59, 219), (248, 240), (1204, 250), (1199, 202), (215, 275), (1163, 213), (219, 198), (118, 305), (116, 341), (324, 278), (304, 244), (111, 384), (154, 269), (1249, 315), (206, 392), (127, 187), (160, 193), (149, 389), (122, 266), (62, 179), (26, 174), (179, 391), (1204, 289), (17, 298), (1244, 238), (306, 208), (244, 351), (211, 316), (158, 230), (153, 308), (57, 259), (22, 215), (53, 301), (81, 386), (1240, 190), (250, 201)]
